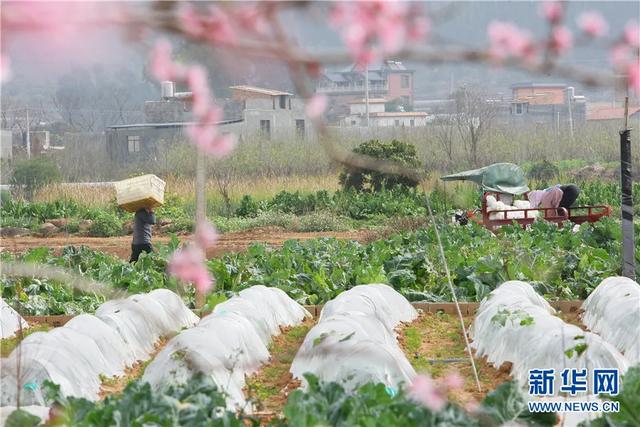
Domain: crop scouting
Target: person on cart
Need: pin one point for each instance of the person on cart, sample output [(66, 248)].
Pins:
[(558, 196), (142, 223)]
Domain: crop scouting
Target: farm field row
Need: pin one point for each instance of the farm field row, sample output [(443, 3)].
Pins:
[(432, 343), (297, 211), (560, 263)]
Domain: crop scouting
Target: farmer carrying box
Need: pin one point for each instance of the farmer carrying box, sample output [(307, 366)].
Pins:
[(141, 195), (142, 222)]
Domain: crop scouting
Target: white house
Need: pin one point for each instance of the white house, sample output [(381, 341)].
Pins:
[(379, 117)]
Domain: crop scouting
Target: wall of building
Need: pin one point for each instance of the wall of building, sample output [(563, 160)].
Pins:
[(282, 122), (395, 86), (377, 107), (398, 121), (402, 121), (170, 111)]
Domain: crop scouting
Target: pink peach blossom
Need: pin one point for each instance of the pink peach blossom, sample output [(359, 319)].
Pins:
[(316, 106), (187, 264), (507, 40), (5, 69), (551, 11), (206, 234), (632, 34), (222, 146), (453, 381), (593, 24), (251, 19), (376, 28), (419, 29), (202, 134), (619, 54), (424, 390), (161, 64), (191, 21), (201, 98), (561, 39), (219, 28)]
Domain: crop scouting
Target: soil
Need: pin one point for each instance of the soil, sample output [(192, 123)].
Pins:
[(228, 242), (115, 385), (434, 344), (270, 387)]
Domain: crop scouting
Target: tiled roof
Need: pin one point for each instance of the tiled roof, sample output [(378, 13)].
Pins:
[(611, 113)]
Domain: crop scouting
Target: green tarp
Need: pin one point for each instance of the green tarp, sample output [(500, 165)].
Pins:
[(499, 177)]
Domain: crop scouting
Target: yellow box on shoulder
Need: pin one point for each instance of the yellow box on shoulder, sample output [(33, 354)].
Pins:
[(145, 191)]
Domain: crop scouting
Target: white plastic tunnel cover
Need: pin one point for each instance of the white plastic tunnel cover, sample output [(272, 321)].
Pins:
[(513, 317), (354, 341), (229, 343), (10, 320), (77, 354), (613, 311)]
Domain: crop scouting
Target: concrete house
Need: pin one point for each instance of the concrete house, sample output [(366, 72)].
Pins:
[(252, 114), (547, 103), (378, 117), (270, 113)]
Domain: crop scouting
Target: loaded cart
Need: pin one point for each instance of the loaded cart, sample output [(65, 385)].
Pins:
[(145, 191), (502, 182)]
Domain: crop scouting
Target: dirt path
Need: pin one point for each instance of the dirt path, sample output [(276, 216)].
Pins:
[(269, 388), (434, 344), (229, 242)]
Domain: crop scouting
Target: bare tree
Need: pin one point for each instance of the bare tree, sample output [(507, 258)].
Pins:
[(444, 129), (475, 116)]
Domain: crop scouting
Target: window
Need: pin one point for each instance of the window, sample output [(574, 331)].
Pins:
[(265, 128), (283, 101), (412, 122), (300, 128), (133, 142), (397, 122), (353, 122), (404, 81), (519, 108)]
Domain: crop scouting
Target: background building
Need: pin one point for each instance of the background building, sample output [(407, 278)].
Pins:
[(390, 80), (378, 117), (252, 113)]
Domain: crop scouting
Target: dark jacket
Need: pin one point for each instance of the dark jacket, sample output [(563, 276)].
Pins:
[(142, 223)]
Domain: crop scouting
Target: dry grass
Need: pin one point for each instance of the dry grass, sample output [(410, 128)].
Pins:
[(434, 344), (270, 387), (259, 188)]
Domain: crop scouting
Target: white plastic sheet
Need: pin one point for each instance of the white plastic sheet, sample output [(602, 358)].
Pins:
[(10, 320), (354, 341), (613, 311), (60, 358), (76, 355), (228, 344), (516, 325)]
